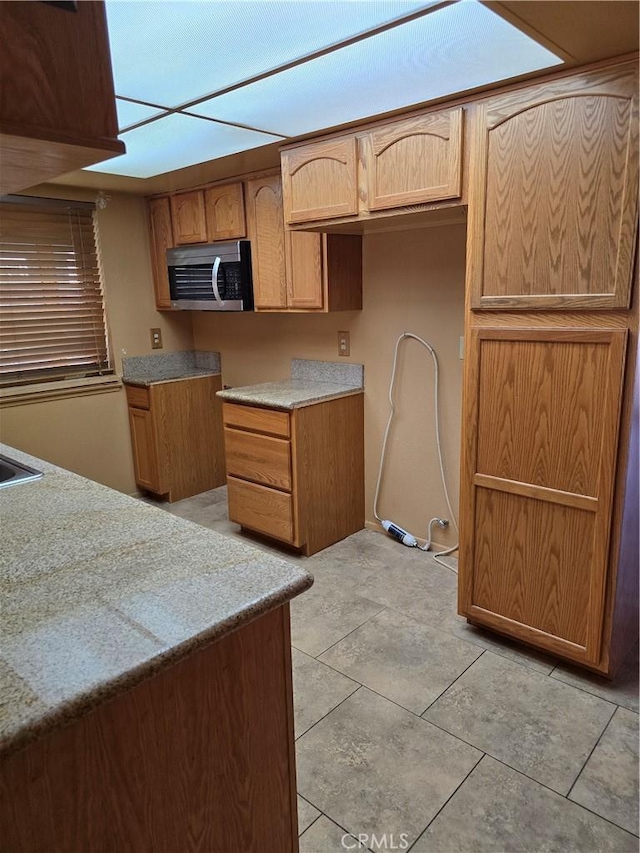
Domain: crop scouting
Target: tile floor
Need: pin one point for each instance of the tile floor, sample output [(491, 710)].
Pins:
[(417, 730)]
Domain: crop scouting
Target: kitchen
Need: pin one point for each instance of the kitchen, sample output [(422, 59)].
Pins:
[(257, 347)]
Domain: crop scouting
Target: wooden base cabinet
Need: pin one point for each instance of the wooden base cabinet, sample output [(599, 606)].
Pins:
[(198, 757), (176, 436), (551, 331), (298, 476)]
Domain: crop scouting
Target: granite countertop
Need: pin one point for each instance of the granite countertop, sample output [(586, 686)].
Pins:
[(166, 367), (288, 394), (167, 375), (100, 590), (311, 382)]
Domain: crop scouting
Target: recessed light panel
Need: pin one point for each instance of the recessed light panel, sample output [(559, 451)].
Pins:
[(451, 50), (130, 113), (169, 53), (175, 142)]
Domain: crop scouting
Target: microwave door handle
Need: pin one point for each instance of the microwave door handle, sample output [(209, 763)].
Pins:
[(214, 281)]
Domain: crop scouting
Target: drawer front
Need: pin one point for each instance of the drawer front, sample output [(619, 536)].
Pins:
[(137, 398), (257, 420), (261, 509), (260, 458)]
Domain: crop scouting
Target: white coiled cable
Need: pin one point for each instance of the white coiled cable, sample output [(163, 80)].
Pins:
[(427, 544)]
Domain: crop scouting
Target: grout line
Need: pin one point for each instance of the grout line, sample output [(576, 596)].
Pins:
[(368, 619), (589, 692), (340, 826), (615, 708), (353, 693), (453, 793), (452, 683)]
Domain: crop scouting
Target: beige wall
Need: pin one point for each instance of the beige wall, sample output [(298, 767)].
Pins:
[(90, 434), (413, 281)]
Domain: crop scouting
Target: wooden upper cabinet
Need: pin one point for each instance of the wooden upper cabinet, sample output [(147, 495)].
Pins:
[(57, 105), (414, 161), (542, 409), (224, 208), (553, 210), (305, 270), (320, 180), (161, 239), (324, 271), (265, 228), (189, 223)]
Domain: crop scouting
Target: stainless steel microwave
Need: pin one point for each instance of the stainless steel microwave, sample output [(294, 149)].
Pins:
[(211, 277)]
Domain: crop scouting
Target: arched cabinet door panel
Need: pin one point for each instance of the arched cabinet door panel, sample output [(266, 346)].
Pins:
[(554, 194), (224, 206), (414, 161), (187, 213), (320, 180), (265, 230)]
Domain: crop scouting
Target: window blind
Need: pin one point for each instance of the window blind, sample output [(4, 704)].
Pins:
[(52, 320)]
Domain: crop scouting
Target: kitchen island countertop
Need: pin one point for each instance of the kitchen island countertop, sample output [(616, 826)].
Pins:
[(101, 591)]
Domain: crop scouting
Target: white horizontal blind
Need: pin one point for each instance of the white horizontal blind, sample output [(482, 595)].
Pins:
[(52, 320)]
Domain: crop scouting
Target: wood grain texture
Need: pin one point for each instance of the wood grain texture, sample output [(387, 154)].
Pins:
[(252, 418), (188, 420), (413, 161), (260, 458), (57, 105), (305, 280), (343, 271), (262, 509), (541, 417), (144, 445), (27, 161), (265, 229), (328, 450), (552, 223), (541, 408), (530, 561), (320, 180), (137, 397), (324, 272), (160, 239), (224, 210), (200, 757), (188, 217)]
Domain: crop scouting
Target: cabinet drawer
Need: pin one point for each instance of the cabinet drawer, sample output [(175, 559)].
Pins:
[(257, 420), (137, 397), (261, 458), (261, 509)]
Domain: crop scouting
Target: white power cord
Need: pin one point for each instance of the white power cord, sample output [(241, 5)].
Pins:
[(398, 532)]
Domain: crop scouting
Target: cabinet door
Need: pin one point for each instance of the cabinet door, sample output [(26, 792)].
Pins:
[(187, 210), (305, 283), (320, 180), (161, 238), (553, 211), (414, 161), (224, 208), (265, 227), (145, 452), (539, 455)]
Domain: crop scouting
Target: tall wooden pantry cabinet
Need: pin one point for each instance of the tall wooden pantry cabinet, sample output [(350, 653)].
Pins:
[(552, 321)]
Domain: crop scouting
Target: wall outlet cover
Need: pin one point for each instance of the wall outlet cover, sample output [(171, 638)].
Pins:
[(156, 338), (344, 345)]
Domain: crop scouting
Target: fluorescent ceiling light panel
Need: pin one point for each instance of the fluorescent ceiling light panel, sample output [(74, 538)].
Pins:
[(178, 141), (129, 113), (169, 53), (451, 50)]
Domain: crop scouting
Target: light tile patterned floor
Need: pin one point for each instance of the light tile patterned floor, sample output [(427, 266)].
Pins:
[(412, 724)]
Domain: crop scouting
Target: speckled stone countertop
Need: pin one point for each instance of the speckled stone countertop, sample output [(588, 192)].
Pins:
[(311, 382), (288, 394), (100, 590), (165, 367)]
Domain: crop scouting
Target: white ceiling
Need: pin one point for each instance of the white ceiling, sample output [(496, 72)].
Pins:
[(200, 80)]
